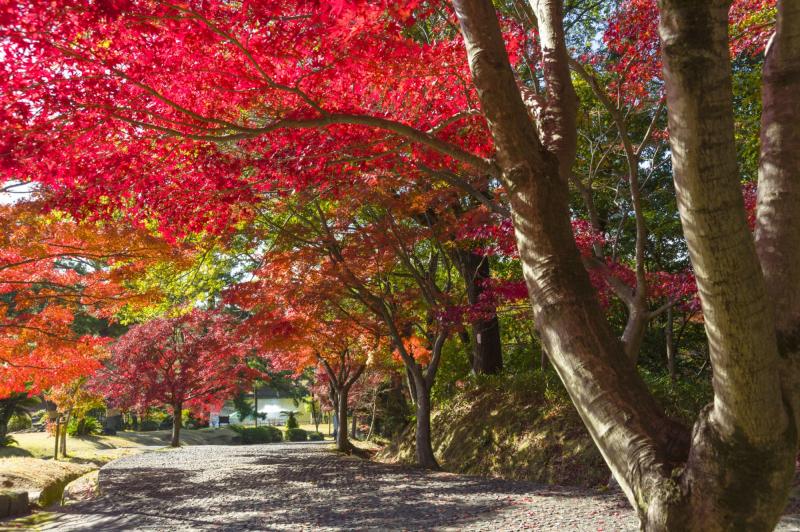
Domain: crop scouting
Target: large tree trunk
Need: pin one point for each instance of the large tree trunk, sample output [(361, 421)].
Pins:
[(487, 351), (778, 213), (637, 440), (176, 424), (742, 457), (735, 472)]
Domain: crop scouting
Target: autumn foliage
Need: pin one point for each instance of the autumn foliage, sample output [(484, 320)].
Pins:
[(194, 361), (52, 270)]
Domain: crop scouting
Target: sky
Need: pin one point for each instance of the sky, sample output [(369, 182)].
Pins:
[(18, 191)]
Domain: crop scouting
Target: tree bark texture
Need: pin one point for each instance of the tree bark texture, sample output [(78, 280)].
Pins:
[(637, 440), (778, 212), (734, 472)]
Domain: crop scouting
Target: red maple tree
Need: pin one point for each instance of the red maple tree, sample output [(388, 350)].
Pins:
[(194, 361)]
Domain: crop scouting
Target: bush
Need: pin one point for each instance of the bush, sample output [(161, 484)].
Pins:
[(296, 435), (19, 422), (259, 434), (6, 441), (84, 427), (315, 436), (148, 425), (291, 421)]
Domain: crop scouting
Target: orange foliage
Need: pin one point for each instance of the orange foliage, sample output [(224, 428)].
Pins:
[(51, 269)]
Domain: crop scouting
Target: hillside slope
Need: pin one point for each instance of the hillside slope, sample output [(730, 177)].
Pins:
[(525, 428)]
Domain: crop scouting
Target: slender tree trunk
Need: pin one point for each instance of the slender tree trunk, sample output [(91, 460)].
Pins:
[(57, 434), (255, 405), (63, 444), (372, 416), (487, 351), (412, 387), (424, 451), (670, 344), (176, 424), (342, 442), (635, 329), (314, 415)]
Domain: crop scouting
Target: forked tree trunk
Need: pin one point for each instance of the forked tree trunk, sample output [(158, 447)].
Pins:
[(734, 473), (176, 424), (742, 459)]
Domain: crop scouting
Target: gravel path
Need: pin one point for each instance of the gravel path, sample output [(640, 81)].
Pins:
[(308, 487)]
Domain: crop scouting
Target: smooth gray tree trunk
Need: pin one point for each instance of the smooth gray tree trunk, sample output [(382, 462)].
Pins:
[(176, 425)]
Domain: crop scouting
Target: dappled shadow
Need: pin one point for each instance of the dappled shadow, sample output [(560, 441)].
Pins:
[(287, 487)]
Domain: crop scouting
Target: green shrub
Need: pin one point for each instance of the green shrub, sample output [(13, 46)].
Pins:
[(315, 436), (238, 429), (291, 421), (260, 434), (148, 425), (296, 434), (19, 422), (84, 427), (6, 441), (682, 399)]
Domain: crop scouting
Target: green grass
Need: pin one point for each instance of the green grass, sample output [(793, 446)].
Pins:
[(105, 448)]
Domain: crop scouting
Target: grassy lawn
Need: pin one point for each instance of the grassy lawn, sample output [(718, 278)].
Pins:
[(40, 444)]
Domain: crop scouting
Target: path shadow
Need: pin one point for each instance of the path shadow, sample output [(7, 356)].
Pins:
[(286, 487)]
